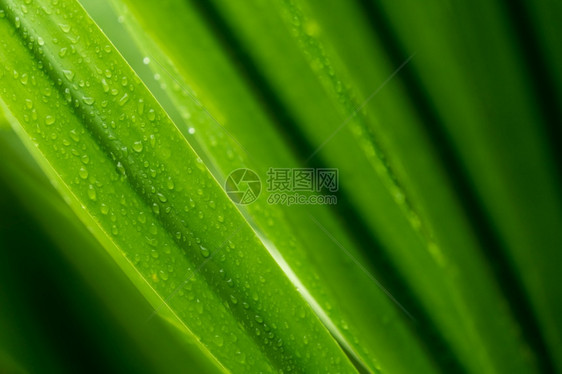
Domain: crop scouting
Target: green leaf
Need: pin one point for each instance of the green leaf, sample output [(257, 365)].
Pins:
[(408, 205), (133, 179), (335, 281)]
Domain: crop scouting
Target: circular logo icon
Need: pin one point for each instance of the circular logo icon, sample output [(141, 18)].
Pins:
[(243, 186)]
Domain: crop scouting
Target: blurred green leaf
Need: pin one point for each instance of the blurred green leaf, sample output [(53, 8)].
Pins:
[(485, 109), (442, 118)]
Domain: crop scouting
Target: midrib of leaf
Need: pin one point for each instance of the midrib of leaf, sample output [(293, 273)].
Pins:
[(332, 76), (106, 144)]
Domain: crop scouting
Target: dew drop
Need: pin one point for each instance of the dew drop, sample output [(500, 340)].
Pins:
[(163, 275), (104, 209), (339, 87), (74, 135), (205, 252), (123, 100), (83, 172), (156, 208), (137, 146), (69, 74), (91, 193), (105, 85), (151, 115), (170, 184)]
